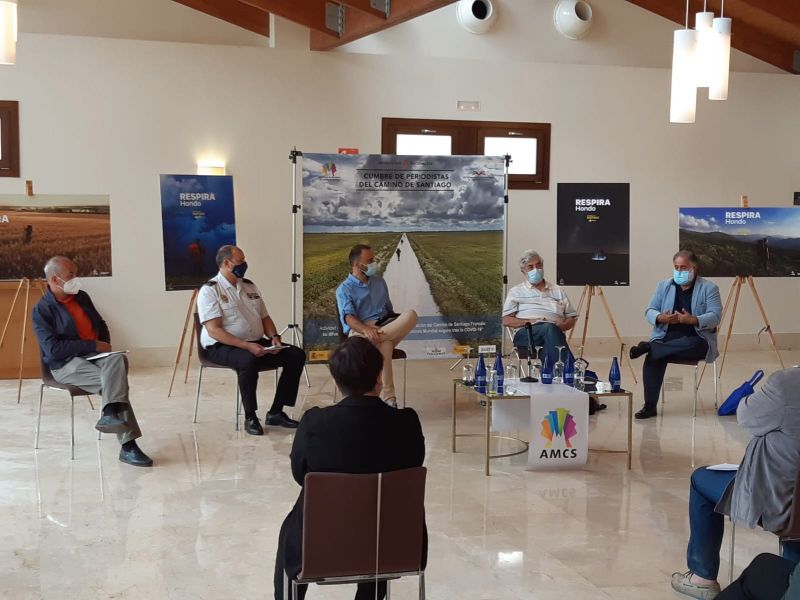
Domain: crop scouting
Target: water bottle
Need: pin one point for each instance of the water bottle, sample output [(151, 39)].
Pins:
[(498, 368), (491, 382), (547, 370), (569, 370), (614, 376), (480, 376)]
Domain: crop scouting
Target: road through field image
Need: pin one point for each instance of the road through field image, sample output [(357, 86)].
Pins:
[(436, 227), (78, 227)]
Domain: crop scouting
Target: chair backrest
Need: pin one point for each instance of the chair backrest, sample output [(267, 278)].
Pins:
[(339, 326), (792, 530), (202, 353), (364, 524)]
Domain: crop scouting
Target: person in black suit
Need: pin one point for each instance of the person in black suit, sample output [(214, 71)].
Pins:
[(360, 434)]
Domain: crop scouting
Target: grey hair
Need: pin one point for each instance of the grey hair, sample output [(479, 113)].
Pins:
[(689, 255), (527, 257), (54, 266), (225, 253)]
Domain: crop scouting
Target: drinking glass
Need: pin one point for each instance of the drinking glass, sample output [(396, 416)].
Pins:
[(537, 363), (468, 374), (491, 382), (511, 374), (558, 368), (580, 373)]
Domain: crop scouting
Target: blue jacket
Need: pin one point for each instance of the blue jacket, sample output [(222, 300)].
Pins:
[(706, 306), (57, 333)]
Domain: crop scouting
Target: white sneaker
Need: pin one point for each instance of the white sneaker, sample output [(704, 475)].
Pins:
[(682, 583)]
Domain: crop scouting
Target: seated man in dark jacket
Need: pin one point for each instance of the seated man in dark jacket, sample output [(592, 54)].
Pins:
[(70, 330), (360, 434)]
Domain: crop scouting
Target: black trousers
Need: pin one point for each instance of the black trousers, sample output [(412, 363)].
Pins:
[(671, 346), (247, 366), (766, 578)]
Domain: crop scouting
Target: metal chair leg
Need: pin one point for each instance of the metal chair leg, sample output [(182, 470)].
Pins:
[(238, 405), (404, 382), (285, 586), (89, 398), (422, 585), (695, 391), (197, 397), (388, 590), (716, 387), (733, 542), (72, 424), (38, 419)]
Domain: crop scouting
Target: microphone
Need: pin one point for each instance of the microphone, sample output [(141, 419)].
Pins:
[(530, 378)]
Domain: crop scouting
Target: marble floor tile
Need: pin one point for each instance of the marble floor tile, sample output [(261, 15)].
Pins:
[(203, 523)]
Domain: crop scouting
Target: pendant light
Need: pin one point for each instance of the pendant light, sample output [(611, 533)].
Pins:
[(704, 26), (683, 96), (8, 32), (720, 57)]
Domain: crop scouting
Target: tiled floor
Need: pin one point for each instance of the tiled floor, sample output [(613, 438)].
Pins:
[(204, 522)]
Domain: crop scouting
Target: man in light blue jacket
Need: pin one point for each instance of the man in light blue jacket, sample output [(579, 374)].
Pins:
[(684, 311)]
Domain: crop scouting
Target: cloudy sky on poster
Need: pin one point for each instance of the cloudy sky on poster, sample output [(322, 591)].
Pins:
[(770, 221), (404, 193)]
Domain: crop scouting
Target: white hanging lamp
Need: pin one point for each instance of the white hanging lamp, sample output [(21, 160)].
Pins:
[(8, 32), (720, 57), (683, 96), (704, 25)]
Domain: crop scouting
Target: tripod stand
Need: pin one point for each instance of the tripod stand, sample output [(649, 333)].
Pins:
[(297, 333), (26, 284)]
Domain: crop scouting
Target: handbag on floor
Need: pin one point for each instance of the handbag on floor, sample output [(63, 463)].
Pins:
[(743, 391)]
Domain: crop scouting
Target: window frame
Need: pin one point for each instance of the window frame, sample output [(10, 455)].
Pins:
[(9, 138), (468, 139)]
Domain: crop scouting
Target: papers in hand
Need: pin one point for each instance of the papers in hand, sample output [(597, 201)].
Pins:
[(105, 354), (275, 348), (723, 467)]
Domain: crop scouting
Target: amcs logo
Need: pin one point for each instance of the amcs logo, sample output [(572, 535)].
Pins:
[(559, 423)]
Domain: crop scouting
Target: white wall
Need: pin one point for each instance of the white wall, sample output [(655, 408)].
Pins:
[(107, 116)]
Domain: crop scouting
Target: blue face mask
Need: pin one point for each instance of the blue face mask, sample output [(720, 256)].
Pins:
[(239, 270), (682, 277), (535, 276), (372, 269)]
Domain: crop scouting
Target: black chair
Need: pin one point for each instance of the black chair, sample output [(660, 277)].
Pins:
[(207, 363), (361, 528), (48, 381), (397, 354)]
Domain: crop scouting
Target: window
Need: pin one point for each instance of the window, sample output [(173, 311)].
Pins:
[(528, 144), (9, 138)]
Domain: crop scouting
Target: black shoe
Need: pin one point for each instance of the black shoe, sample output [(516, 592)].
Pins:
[(639, 349), (111, 424), (646, 412), (253, 426), (281, 419), (134, 456)]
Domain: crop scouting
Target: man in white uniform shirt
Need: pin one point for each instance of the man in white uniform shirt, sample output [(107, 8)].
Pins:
[(237, 332), (541, 303)]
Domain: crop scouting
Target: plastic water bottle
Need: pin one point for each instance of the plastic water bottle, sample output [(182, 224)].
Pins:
[(547, 370), (614, 376), (498, 368), (569, 370), (480, 376)]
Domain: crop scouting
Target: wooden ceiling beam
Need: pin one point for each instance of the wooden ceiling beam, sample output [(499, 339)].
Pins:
[(310, 13), (234, 12), (746, 37), (358, 24)]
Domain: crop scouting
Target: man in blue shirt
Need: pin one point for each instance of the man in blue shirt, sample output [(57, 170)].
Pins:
[(366, 310)]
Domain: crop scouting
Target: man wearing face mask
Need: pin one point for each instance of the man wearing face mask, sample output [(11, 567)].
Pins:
[(366, 310), (237, 332), (541, 303), (69, 330), (684, 312)]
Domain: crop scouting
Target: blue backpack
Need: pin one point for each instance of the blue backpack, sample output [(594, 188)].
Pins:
[(743, 391)]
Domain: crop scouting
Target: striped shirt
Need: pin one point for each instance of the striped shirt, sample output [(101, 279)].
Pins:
[(550, 304)]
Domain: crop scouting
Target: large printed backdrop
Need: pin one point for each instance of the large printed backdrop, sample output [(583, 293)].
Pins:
[(593, 245), (197, 217), (33, 230), (436, 226), (764, 242)]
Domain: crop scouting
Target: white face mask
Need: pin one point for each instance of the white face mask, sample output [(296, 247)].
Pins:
[(71, 287)]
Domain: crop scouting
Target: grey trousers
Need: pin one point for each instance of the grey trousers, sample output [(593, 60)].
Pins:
[(108, 376)]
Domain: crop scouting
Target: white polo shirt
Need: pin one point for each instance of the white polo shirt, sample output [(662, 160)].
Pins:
[(550, 304), (240, 306)]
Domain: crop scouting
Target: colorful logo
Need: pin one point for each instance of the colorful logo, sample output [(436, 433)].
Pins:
[(558, 423), (329, 169)]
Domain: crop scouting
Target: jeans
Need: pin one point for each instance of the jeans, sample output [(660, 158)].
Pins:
[(671, 346), (547, 335), (707, 526)]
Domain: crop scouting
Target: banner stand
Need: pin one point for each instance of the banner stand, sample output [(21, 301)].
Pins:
[(26, 283), (297, 332), (586, 295), (507, 158)]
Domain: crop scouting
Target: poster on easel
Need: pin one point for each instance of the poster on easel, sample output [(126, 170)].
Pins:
[(593, 234), (34, 228), (736, 241), (198, 217), (435, 224)]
